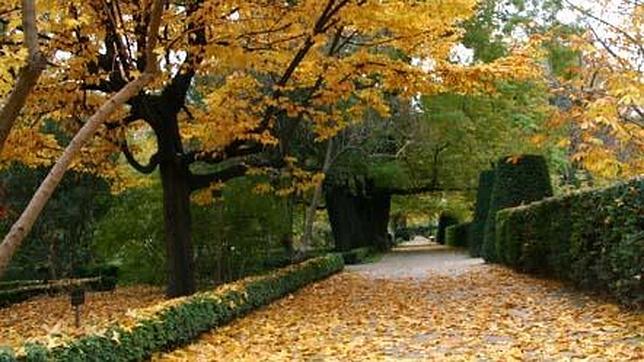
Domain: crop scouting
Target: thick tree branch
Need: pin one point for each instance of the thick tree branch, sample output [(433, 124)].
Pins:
[(145, 169), (29, 74), (200, 181)]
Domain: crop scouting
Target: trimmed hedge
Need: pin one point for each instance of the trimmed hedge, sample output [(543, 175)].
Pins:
[(594, 239), (483, 194), (179, 321), (356, 256), (108, 276), (100, 278), (517, 180), (444, 220), (406, 233), (457, 235), (13, 284)]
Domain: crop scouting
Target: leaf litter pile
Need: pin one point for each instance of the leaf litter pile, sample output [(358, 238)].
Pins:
[(488, 313), (48, 318)]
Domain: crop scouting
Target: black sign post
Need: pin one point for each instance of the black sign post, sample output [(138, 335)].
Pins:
[(77, 299)]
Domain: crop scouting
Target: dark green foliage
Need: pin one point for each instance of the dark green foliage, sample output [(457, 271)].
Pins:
[(356, 256), (483, 194), (444, 220), (594, 239), (13, 284), (12, 296), (517, 180), (6, 354), (181, 323), (241, 234), (457, 235), (108, 276), (60, 241)]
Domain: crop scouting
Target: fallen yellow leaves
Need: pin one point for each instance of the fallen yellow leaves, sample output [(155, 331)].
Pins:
[(489, 313), (44, 318)]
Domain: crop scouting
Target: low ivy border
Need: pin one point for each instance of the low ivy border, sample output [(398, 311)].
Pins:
[(176, 322)]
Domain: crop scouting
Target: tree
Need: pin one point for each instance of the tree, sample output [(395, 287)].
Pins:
[(28, 75), (604, 88), (239, 80), (25, 222)]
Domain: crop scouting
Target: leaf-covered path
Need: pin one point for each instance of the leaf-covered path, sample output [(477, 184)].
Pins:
[(456, 309)]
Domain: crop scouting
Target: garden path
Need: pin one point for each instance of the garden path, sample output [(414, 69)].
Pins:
[(427, 303)]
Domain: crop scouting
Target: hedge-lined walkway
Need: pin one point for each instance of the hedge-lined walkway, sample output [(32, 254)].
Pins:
[(484, 312)]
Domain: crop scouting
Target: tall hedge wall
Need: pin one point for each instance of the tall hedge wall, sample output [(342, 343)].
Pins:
[(444, 220), (179, 321), (517, 180), (483, 194), (593, 238)]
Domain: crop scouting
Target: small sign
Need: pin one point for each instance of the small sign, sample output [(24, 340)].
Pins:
[(78, 296)]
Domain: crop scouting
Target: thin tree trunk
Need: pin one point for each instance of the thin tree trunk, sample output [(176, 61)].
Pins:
[(305, 246), (29, 74), (23, 225)]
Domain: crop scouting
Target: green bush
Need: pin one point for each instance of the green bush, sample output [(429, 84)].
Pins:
[(60, 240), (517, 180), (356, 256), (457, 235), (407, 233), (13, 284), (26, 289), (108, 276), (483, 193), (17, 295), (593, 238), (444, 220), (232, 238), (179, 321)]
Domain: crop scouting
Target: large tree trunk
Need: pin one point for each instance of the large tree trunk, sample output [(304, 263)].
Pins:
[(178, 233), (379, 205), (358, 220), (344, 218)]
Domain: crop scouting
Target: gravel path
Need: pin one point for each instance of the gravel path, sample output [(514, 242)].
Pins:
[(416, 260), (426, 303)]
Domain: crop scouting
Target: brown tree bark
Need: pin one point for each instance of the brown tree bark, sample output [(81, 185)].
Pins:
[(178, 231), (28, 75), (25, 222)]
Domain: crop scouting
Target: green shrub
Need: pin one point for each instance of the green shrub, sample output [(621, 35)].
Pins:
[(407, 233), (107, 273), (483, 193), (179, 321), (517, 180), (356, 256), (232, 238), (444, 220), (593, 238), (13, 284), (61, 237), (100, 278), (457, 235)]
